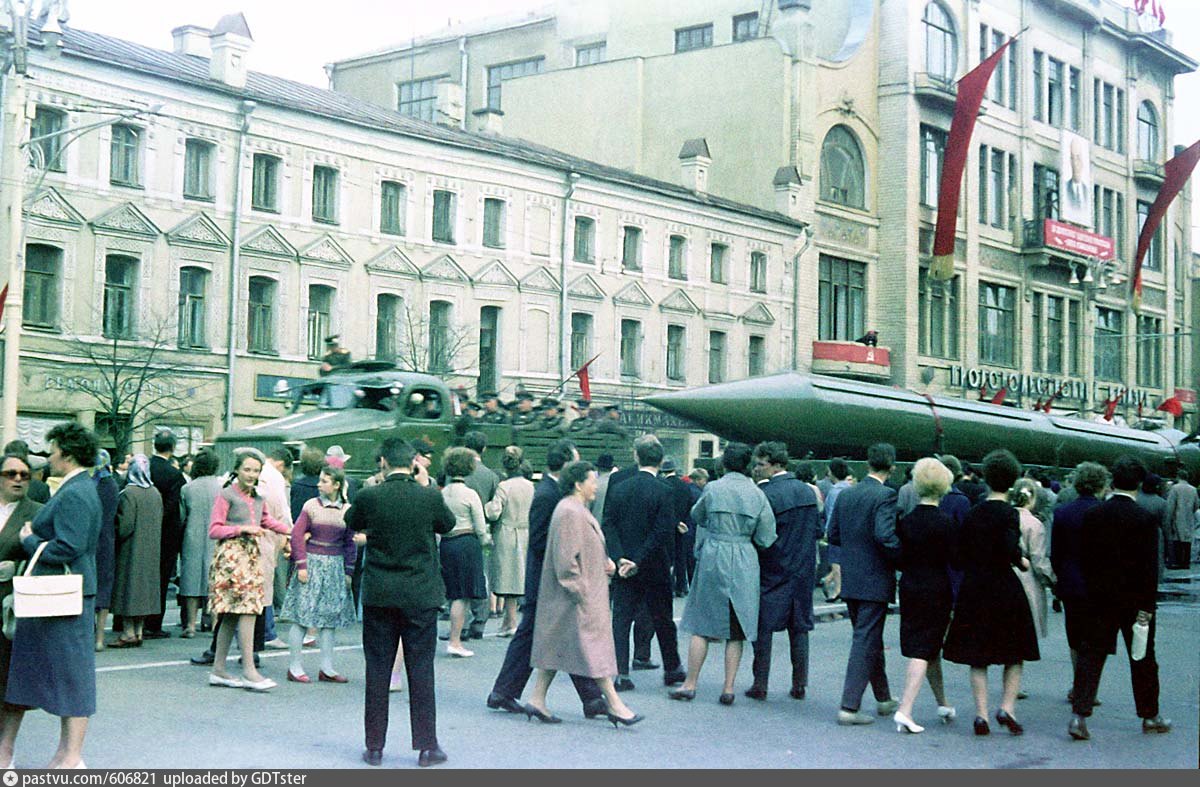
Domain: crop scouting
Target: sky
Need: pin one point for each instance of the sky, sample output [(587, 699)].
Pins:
[(296, 38)]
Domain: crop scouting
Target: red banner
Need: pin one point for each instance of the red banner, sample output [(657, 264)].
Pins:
[(1185, 395), (1066, 237), (1176, 171)]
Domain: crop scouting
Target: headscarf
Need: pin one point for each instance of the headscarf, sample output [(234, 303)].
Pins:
[(139, 472), (101, 464)]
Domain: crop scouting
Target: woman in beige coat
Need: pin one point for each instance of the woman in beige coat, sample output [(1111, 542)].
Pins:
[(1040, 576), (573, 628), (509, 510)]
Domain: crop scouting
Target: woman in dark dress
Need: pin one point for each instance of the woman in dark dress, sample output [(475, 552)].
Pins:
[(925, 595), (992, 622), (106, 550)]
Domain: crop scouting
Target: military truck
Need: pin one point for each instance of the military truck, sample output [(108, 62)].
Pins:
[(360, 405)]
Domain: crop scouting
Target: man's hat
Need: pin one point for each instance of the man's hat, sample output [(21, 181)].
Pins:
[(422, 446), (524, 396), (668, 465), (550, 402), (612, 408), (474, 406), (604, 462), (488, 396), (584, 403), (332, 339)]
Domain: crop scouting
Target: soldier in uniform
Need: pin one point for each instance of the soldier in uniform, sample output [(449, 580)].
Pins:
[(550, 418), (465, 422), (523, 414), (335, 356), (611, 423), (584, 422), (493, 412)]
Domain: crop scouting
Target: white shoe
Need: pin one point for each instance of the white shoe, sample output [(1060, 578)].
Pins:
[(905, 724), (459, 652), (947, 713), (79, 766), (232, 683), (266, 684), (277, 644)]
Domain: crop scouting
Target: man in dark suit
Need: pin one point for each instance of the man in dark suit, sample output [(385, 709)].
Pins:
[(643, 627), (681, 498), (787, 568), (515, 672), (402, 593), (639, 526), (1120, 570), (863, 549), (169, 482), (1066, 551)]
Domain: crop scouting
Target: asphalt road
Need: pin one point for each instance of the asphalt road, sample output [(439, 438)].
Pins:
[(157, 711)]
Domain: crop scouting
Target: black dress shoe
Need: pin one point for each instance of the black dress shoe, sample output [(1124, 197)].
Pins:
[(797, 693), (156, 634), (474, 634), (593, 709), (1078, 730), (726, 699), (446, 637), (204, 659), (644, 664), (1006, 720), (431, 757), (542, 716), (674, 678), (500, 702), (756, 693), (373, 757), (623, 683), (981, 726)]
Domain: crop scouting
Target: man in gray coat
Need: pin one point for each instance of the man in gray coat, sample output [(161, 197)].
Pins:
[(1182, 503), (863, 547)]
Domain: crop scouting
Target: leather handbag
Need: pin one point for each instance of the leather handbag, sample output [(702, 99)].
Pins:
[(49, 595)]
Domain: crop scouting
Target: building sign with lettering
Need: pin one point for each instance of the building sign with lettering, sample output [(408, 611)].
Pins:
[(75, 382), (1076, 240), (1041, 387), (278, 388)]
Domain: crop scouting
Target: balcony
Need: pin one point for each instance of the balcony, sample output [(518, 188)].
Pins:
[(935, 90), (1148, 173), (851, 359), (1042, 239)]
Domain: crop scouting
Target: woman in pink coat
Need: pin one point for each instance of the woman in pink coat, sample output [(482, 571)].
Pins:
[(573, 628)]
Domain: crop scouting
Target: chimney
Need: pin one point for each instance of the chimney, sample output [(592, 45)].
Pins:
[(695, 161), (489, 121), (230, 41), (451, 108), (192, 40), (788, 185)]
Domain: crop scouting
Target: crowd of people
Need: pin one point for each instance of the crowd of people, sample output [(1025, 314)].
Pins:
[(581, 568)]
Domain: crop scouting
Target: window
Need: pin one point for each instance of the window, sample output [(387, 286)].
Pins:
[(581, 339), (841, 299), (585, 239), (997, 179), (941, 43), (46, 122), (320, 318), (1108, 214), (689, 38), (1039, 85), (1109, 344), (260, 336), (387, 318), (1074, 100), (440, 350), (717, 272), (42, 265), (1045, 192), (1050, 340), (745, 27), (997, 325), (758, 271), (325, 195), (843, 173), (1002, 88), (418, 99), (677, 257), (937, 315), (933, 152), (444, 216), (393, 205), (676, 342), (1147, 137), (264, 187), (1150, 352), (123, 167), (631, 348), (716, 356), (1181, 274), (631, 249), (1054, 92), (493, 223), (497, 75), (1154, 254), (197, 169), (591, 54), (489, 331), (192, 285), (756, 356), (1181, 359), (1075, 337), (119, 276), (1108, 120)]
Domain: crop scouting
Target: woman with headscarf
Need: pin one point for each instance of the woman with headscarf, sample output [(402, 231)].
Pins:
[(195, 507), (106, 549), (139, 535)]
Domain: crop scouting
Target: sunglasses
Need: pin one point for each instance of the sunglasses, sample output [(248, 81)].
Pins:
[(21, 474)]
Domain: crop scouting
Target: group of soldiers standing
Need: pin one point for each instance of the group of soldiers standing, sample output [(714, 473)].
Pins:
[(524, 411)]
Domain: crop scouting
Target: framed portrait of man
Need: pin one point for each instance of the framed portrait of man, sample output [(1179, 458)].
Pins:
[(1075, 182)]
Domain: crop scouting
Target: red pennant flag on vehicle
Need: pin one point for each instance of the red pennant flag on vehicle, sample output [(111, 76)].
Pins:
[(1171, 405), (1050, 401), (585, 386), (1038, 406), (1110, 406), (999, 397), (971, 89), (1176, 173)]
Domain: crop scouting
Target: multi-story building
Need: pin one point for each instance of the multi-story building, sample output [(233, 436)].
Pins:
[(856, 99), (249, 217)]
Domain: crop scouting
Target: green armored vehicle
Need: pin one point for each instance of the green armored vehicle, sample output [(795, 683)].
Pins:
[(360, 405)]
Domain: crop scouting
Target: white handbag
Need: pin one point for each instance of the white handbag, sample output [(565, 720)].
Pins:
[(47, 596)]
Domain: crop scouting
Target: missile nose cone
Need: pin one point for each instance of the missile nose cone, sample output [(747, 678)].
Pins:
[(744, 409)]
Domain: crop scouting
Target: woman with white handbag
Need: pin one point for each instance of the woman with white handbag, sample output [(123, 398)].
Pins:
[(53, 653)]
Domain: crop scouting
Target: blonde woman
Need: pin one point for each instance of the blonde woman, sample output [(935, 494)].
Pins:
[(509, 510), (1023, 496)]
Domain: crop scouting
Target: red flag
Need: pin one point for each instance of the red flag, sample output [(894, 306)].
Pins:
[(585, 386), (1139, 410), (3, 298), (971, 89), (1171, 405), (1038, 406), (999, 397), (1110, 406), (1177, 171), (1050, 401), (982, 392)]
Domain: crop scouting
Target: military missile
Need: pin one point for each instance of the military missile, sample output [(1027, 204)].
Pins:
[(824, 417)]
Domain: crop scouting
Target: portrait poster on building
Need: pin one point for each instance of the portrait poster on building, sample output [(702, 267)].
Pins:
[(1075, 164)]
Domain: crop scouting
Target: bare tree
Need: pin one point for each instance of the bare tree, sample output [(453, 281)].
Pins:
[(138, 381), (431, 343)]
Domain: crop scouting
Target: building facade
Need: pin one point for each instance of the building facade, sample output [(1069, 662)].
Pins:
[(218, 237)]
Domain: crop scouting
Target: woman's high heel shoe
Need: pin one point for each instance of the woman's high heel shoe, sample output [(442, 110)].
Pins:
[(1006, 720), (629, 722), (905, 724), (947, 714), (545, 718), (981, 726)]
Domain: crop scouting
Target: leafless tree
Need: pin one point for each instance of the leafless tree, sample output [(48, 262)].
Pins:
[(426, 346)]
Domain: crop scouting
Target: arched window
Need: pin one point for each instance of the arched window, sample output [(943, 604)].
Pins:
[(842, 171), (941, 42), (1147, 121)]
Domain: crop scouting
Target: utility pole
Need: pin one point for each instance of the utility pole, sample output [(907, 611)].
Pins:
[(12, 178)]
